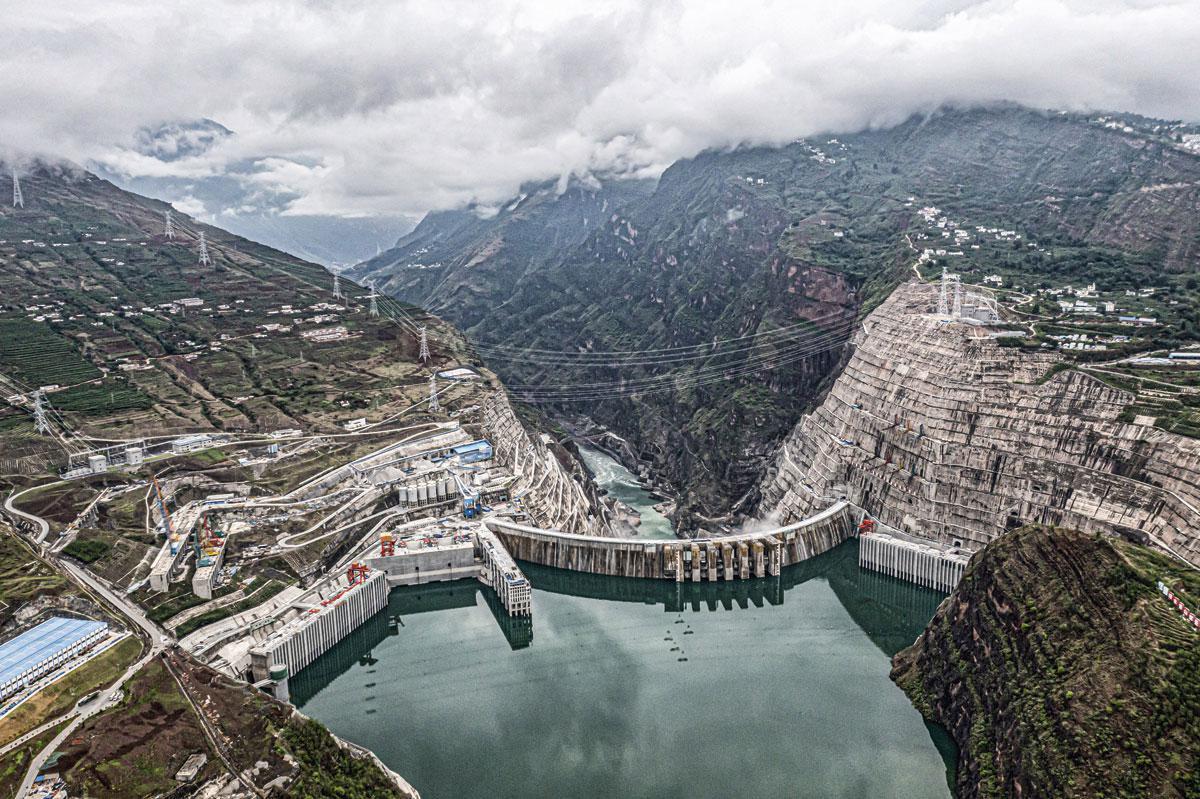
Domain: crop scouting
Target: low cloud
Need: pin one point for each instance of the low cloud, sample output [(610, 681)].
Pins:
[(377, 107)]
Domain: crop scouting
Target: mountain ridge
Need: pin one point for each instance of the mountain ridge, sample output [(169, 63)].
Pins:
[(739, 242)]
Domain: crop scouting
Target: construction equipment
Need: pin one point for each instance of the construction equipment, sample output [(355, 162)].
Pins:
[(387, 545), (470, 498), (357, 573), (162, 506)]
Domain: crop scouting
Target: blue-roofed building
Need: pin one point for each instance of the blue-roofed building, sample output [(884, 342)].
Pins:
[(473, 453), (39, 650)]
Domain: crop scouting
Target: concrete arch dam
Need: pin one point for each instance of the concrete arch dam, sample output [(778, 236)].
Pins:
[(738, 556)]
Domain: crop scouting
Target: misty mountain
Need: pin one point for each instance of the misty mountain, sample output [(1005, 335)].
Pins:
[(734, 244), (235, 197)]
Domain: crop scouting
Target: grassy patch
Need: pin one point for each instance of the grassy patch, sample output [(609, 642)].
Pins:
[(252, 599), (35, 354), (326, 770), (87, 550), (23, 577), (135, 748)]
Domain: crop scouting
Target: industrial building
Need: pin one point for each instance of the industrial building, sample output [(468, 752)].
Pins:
[(425, 558), (431, 490), (100, 460), (191, 443), (474, 452), (922, 562), (39, 650), (191, 767), (211, 556), (504, 576)]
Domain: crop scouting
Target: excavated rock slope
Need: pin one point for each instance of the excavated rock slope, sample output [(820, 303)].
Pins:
[(940, 431), (1061, 671)]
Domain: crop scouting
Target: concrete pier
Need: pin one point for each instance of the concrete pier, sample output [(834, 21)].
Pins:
[(428, 559), (737, 556), (925, 564), (501, 572), (306, 637)]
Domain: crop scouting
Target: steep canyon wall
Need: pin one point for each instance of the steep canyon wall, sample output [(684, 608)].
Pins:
[(939, 430)]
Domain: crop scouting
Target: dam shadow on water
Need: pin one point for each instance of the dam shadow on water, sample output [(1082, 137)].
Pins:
[(769, 687)]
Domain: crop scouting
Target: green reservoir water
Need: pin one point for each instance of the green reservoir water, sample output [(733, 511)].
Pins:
[(638, 688)]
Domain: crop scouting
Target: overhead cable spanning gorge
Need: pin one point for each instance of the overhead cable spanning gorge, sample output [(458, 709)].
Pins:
[(674, 381), (766, 342), (688, 366)]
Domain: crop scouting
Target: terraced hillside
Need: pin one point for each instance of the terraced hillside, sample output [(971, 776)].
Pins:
[(939, 429), (736, 245), (133, 337)]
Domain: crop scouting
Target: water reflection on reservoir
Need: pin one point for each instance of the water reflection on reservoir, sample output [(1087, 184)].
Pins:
[(773, 687)]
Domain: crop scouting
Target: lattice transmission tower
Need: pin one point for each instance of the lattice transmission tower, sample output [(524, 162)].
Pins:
[(337, 288), (424, 352), (40, 422), (374, 302), (168, 225), (18, 197), (433, 392), (204, 259)]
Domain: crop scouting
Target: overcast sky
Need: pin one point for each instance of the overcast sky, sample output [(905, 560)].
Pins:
[(365, 107)]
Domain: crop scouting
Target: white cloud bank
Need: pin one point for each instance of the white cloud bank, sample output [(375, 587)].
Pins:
[(364, 107)]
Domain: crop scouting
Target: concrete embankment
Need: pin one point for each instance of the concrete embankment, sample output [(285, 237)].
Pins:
[(730, 557)]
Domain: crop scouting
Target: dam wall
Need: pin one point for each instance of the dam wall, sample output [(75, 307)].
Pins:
[(318, 627), (924, 564), (939, 431), (732, 557)]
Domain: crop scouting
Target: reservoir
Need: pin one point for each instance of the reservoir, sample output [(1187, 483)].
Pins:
[(622, 687), (624, 485)]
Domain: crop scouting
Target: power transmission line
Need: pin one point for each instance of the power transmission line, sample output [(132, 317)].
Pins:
[(669, 383), (676, 380), (424, 351), (39, 413)]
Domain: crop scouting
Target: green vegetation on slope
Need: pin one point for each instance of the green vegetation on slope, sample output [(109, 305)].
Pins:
[(23, 577), (737, 243), (14, 764), (134, 750), (93, 301), (1060, 670), (87, 550), (326, 770)]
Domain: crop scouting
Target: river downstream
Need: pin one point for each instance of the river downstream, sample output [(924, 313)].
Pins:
[(624, 485), (639, 688)]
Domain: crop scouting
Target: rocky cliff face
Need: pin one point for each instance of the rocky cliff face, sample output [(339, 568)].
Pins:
[(1061, 671), (551, 481), (940, 431), (732, 245)]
